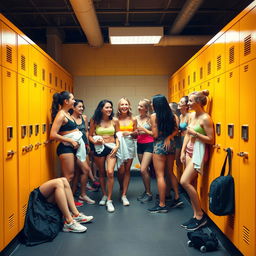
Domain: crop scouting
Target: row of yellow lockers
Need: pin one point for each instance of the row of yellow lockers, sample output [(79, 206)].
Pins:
[(233, 109), (28, 157), (20, 54), (231, 47)]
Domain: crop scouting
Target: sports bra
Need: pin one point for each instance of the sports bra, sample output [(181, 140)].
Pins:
[(69, 126), (105, 130), (183, 126), (127, 128), (199, 129)]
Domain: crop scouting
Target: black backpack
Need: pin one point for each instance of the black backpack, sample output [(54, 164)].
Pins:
[(222, 191), (202, 241)]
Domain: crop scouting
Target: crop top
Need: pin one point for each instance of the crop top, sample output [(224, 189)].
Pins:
[(199, 129), (69, 126), (127, 128), (82, 128), (105, 130), (183, 126)]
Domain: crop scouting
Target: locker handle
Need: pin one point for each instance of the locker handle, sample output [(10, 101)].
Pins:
[(217, 146), (30, 147), (38, 144), (9, 133), (243, 154), (25, 149), (46, 142), (10, 153)]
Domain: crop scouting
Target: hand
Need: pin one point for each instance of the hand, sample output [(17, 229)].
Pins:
[(99, 141), (75, 144), (126, 133), (113, 152), (141, 130), (191, 131), (134, 134), (167, 144), (183, 157)]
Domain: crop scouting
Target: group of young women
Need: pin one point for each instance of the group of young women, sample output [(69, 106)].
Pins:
[(113, 139)]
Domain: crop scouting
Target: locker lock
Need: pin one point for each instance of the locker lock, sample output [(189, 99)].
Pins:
[(30, 147), (25, 149), (243, 154), (10, 153), (37, 145)]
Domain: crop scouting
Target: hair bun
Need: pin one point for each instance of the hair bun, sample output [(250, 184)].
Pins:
[(205, 92)]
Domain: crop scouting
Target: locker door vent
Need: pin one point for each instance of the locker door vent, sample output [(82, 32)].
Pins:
[(209, 68), (56, 81), (8, 54), (246, 235), (247, 45), (231, 221), (24, 210), (230, 74), (194, 77), (11, 221), (8, 73), (188, 80), (201, 73), (43, 74), (35, 69), (23, 62), (219, 62), (246, 67), (50, 78), (231, 54), (183, 82)]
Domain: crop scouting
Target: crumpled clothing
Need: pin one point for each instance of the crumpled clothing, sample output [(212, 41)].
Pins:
[(198, 155), (77, 136)]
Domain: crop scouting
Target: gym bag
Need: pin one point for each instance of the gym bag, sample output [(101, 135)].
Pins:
[(222, 191)]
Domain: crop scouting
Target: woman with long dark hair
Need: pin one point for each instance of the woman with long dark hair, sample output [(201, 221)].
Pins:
[(102, 135), (164, 128)]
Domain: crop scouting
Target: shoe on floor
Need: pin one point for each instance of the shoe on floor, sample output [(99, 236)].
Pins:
[(158, 209), (185, 224), (103, 200), (86, 199), (91, 188), (176, 203), (146, 198), (125, 201), (196, 224), (78, 204), (141, 196), (110, 206), (82, 218), (74, 227)]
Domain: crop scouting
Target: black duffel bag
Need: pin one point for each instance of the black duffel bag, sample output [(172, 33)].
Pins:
[(222, 191)]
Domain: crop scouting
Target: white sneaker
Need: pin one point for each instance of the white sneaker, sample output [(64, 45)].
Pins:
[(82, 218), (74, 227), (125, 201), (103, 200), (86, 199), (110, 206)]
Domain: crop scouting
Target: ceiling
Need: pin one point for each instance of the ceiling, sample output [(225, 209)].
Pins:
[(33, 17)]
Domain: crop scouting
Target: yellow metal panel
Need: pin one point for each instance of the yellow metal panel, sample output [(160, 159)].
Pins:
[(34, 68), (201, 68), (44, 74), (209, 62), (9, 102), (248, 37), (247, 186), (23, 46), (9, 48), (219, 55), (232, 50), (23, 149)]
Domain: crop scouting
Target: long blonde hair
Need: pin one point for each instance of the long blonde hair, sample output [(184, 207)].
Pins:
[(148, 105), (129, 113), (201, 97)]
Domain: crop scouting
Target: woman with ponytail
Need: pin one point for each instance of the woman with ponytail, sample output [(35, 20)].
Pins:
[(199, 133), (71, 147)]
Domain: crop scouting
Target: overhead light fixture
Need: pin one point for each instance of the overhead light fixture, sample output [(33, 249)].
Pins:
[(135, 35)]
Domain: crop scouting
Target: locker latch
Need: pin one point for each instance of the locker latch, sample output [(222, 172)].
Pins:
[(23, 131), (245, 132), (218, 129), (231, 130), (36, 129), (9, 133)]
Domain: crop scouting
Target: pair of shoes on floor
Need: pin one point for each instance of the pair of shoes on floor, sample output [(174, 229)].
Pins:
[(158, 209), (176, 203), (103, 200), (194, 224), (86, 199), (125, 201), (82, 218), (145, 197), (74, 226), (78, 204), (110, 206)]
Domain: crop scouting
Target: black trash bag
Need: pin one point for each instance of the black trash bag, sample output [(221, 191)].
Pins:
[(43, 220)]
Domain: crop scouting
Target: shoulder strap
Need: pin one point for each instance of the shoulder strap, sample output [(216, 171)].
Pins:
[(228, 157)]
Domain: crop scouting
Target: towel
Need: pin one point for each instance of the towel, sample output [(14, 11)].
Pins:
[(198, 155), (77, 136)]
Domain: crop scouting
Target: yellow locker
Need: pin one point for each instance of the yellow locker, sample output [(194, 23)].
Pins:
[(44, 72), (34, 134), (232, 47), (219, 55), (1, 171), (246, 129), (9, 101), (248, 37), (200, 67), (231, 129), (209, 62), (23, 52), (34, 68), (9, 48)]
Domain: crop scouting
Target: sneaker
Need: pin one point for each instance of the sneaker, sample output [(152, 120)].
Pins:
[(82, 218), (110, 206), (141, 196), (103, 200), (89, 187), (196, 224), (146, 198), (185, 224), (157, 208), (74, 227), (78, 204), (86, 199), (125, 201), (176, 203)]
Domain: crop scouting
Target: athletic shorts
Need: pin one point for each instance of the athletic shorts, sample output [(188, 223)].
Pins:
[(105, 152), (63, 149), (159, 148), (144, 147)]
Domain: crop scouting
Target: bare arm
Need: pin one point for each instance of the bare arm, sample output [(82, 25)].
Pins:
[(154, 125)]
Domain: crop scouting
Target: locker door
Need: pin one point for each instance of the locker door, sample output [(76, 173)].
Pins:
[(9, 101), (1, 170), (23, 150), (34, 134), (247, 162), (231, 129)]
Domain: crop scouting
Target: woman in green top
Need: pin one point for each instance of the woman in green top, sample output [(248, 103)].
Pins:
[(200, 130)]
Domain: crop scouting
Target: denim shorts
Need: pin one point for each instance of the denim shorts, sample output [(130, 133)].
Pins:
[(144, 147), (159, 148)]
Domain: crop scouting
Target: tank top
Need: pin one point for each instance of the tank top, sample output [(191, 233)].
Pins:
[(82, 128), (127, 128), (145, 138), (105, 130), (69, 126)]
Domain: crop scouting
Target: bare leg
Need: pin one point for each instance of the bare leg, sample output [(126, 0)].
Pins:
[(111, 161), (100, 163), (145, 161), (84, 176), (67, 165), (179, 165), (75, 179), (120, 176), (159, 164), (127, 175)]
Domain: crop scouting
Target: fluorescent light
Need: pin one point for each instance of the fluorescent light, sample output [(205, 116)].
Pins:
[(135, 35)]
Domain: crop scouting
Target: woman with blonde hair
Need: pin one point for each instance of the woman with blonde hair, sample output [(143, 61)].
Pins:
[(199, 133)]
